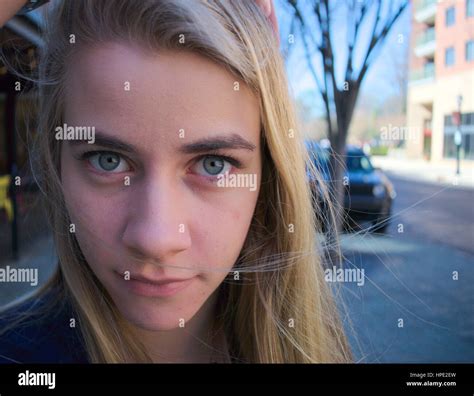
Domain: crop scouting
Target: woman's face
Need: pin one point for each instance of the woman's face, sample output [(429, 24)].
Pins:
[(147, 198)]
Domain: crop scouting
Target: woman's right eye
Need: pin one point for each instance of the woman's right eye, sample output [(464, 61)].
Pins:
[(107, 161)]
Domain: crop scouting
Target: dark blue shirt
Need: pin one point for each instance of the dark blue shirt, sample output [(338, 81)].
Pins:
[(44, 336)]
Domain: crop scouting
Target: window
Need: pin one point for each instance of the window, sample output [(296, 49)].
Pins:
[(428, 69), (467, 131), (467, 146), (470, 51), (450, 16), (469, 8), (358, 163), (466, 119), (449, 56)]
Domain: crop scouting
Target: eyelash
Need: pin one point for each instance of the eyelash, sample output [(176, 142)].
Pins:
[(231, 160)]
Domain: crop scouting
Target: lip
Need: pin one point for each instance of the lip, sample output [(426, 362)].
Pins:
[(165, 287)]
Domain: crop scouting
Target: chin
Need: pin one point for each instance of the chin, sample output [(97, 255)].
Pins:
[(157, 325), (148, 316)]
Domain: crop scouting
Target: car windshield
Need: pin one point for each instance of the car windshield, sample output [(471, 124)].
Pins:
[(359, 163), (320, 158)]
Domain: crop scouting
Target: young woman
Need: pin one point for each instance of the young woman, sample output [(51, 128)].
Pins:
[(175, 181)]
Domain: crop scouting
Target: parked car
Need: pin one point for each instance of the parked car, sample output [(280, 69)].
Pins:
[(368, 191)]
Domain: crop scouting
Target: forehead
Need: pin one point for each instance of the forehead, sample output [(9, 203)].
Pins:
[(125, 89)]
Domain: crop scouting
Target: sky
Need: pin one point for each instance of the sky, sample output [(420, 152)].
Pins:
[(381, 79)]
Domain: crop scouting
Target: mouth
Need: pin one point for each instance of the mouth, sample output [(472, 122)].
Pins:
[(165, 287)]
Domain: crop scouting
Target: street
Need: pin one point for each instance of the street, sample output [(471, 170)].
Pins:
[(417, 303), (435, 213)]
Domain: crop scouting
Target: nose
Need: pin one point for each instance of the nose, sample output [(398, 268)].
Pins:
[(156, 228)]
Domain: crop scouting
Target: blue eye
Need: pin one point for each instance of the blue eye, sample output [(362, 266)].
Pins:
[(211, 165), (107, 161)]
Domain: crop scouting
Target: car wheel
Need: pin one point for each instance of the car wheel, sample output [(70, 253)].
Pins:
[(381, 223)]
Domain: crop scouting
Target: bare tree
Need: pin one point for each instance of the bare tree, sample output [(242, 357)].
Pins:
[(314, 21)]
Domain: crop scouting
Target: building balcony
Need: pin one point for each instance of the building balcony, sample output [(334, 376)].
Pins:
[(425, 11), (424, 75), (426, 44)]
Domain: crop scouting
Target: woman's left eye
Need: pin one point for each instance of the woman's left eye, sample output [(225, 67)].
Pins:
[(211, 165), (106, 161)]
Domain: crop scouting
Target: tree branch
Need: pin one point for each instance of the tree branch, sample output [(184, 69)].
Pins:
[(323, 91), (329, 59), (377, 40), (350, 66)]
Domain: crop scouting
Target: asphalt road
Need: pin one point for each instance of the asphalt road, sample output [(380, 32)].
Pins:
[(434, 213), (417, 302)]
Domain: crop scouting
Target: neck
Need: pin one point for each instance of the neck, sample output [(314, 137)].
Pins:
[(194, 343)]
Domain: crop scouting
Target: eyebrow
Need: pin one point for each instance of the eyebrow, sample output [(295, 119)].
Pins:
[(233, 141), (110, 142)]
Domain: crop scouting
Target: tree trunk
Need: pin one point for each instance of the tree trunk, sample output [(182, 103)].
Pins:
[(337, 191)]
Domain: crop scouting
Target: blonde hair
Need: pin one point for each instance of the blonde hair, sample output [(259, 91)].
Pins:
[(283, 270)]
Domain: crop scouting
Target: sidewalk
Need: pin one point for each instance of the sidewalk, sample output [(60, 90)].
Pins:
[(442, 172)]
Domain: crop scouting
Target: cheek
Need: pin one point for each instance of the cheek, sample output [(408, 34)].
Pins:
[(224, 227), (96, 218)]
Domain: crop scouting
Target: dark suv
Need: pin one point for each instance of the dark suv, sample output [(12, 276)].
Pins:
[(368, 192)]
